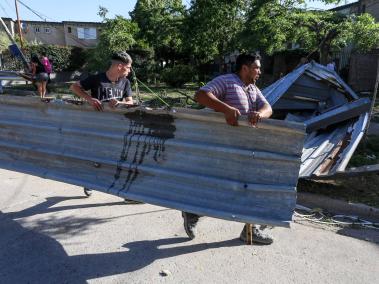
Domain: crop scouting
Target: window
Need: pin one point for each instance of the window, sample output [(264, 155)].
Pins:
[(37, 29), (86, 33), (24, 28), (47, 30), (69, 30)]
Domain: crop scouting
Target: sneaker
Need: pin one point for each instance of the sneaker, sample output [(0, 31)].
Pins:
[(87, 191), (190, 221), (259, 236), (132, 202)]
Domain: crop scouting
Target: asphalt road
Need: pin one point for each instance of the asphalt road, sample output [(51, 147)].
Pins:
[(51, 233)]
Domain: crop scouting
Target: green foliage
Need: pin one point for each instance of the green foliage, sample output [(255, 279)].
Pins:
[(143, 63), (268, 26), (271, 25), (58, 55), (160, 26), (103, 12), (4, 41), (211, 27), (117, 34), (177, 75), (365, 32), (367, 152), (78, 58)]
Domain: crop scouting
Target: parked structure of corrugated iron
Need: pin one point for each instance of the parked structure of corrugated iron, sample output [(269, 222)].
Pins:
[(334, 116), (189, 160)]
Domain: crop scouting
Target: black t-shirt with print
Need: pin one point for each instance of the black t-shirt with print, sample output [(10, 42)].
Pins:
[(104, 90)]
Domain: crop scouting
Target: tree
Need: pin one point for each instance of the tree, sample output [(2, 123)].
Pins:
[(211, 27), (159, 23), (117, 34), (365, 32), (4, 41), (271, 25), (102, 12)]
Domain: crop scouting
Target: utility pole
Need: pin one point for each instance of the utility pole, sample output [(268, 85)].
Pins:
[(13, 41), (18, 23)]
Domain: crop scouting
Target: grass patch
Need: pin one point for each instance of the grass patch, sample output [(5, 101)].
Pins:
[(175, 97), (367, 152)]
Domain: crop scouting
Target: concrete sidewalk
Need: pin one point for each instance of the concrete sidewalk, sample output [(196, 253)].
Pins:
[(51, 233)]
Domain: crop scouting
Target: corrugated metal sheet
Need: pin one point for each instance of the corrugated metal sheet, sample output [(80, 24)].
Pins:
[(357, 130), (317, 149), (333, 114), (323, 73), (338, 114), (188, 159), (276, 90)]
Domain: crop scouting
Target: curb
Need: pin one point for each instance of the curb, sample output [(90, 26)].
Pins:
[(311, 200)]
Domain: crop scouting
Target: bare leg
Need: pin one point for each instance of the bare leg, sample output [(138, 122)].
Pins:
[(39, 88), (43, 88)]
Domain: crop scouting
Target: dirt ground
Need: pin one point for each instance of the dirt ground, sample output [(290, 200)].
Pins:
[(363, 189)]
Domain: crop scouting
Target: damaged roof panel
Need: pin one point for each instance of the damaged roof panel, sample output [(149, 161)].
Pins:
[(334, 116)]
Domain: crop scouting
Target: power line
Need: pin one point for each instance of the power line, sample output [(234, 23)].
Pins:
[(31, 10), (9, 5), (40, 15), (44, 17)]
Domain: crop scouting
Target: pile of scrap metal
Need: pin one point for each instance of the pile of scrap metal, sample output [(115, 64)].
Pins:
[(334, 116)]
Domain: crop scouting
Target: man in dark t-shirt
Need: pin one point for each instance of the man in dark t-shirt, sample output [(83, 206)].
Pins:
[(111, 86)]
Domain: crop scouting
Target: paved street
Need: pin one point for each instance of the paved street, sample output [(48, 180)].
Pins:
[(51, 233)]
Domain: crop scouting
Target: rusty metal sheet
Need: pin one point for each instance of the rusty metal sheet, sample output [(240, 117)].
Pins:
[(185, 159)]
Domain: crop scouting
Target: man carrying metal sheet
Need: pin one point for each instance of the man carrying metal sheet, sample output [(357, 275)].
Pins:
[(111, 86), (234, 95)]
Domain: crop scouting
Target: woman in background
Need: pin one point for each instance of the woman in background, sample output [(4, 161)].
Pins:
[(39, 75)]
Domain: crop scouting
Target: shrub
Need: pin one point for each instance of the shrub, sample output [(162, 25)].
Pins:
[(59, 56), (78, 58), (63, 58), (177, 75)]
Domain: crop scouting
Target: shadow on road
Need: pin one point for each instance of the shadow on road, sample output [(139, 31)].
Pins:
[(370, 235), (48, 206), (29, 256)]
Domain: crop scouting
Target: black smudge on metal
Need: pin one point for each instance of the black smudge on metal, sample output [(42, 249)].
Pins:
[(150, 131)]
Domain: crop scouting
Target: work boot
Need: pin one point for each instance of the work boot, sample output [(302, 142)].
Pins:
[(190, 221), (259, 236)]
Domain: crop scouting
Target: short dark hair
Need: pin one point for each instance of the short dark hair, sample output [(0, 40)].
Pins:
[(246, 59), (121, 56), (34, 58)]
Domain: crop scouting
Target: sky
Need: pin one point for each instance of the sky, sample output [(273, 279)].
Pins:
[(86, 10)]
